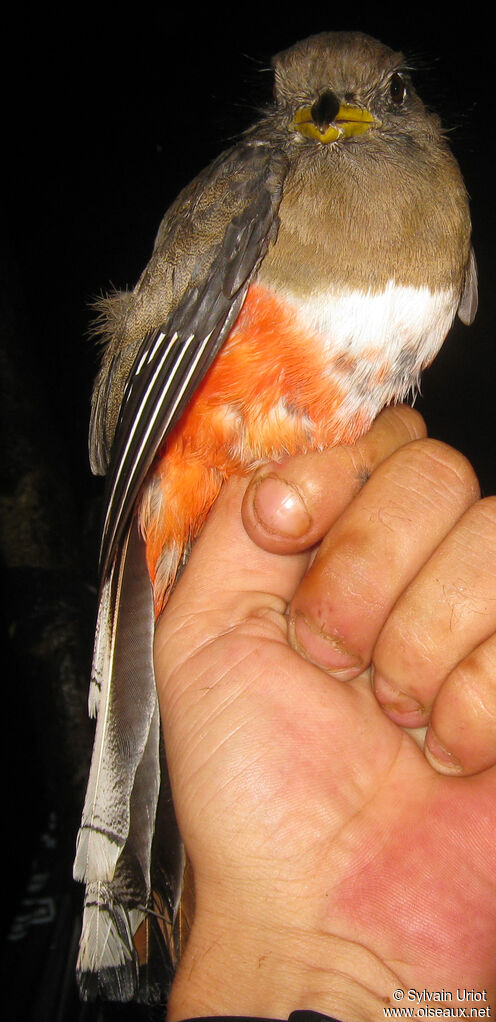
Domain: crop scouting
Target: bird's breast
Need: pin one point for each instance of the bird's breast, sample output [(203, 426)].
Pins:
[(376, 343), (294, 374)]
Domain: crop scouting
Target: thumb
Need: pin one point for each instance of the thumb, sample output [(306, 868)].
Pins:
[(229, 580)]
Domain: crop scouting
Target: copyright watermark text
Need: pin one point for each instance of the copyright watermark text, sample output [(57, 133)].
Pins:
[(461, 1003)]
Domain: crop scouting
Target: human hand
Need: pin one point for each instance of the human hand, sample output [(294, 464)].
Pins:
[(332, 863), (405, 581)]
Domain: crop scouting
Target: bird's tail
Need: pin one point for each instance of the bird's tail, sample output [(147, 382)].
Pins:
[(127, 948)]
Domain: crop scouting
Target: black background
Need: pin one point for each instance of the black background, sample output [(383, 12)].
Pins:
[(106, 115)]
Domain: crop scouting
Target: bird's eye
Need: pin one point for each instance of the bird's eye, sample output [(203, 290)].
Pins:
[(397, 88)]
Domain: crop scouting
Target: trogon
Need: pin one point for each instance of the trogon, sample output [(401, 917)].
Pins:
[(296, 286)]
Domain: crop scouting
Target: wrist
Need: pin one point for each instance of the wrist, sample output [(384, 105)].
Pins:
[(245, 964)]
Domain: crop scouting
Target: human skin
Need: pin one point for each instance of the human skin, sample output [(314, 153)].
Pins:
[(336, 861)]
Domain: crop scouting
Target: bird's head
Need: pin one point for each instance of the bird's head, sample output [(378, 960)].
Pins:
[(337, 86)]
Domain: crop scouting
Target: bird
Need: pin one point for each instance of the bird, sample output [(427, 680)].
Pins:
[(301, 282)]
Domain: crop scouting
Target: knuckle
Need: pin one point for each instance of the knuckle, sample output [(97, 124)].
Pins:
[(448, 468), (411, 420), (485, 509), (469, 688), (480, 521)]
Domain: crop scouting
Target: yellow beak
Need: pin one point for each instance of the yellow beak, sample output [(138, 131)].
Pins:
[(349, 122)]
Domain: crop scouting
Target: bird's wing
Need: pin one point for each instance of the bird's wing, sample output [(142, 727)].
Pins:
[(174, 356), (469, 300), (115, 840)]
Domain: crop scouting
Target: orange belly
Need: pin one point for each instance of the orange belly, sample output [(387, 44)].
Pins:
[(270, 392)]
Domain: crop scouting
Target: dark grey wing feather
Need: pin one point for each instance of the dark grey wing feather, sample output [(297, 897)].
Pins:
[(174, 358), (468, 303)]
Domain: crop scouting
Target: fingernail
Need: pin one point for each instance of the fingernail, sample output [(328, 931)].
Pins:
[(439, 757), (392, 699), (280, 508), (321, 649)]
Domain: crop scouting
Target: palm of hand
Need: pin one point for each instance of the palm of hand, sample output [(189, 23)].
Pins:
[(283, 774)]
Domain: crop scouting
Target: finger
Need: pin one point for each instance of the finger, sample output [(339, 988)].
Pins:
[(447, 612), (461, 738), (291, 505), (228, 580), (373, 552)]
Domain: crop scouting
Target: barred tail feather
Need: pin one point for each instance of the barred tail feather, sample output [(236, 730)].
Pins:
[(100, 670), (107, 957), (113, 855)]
